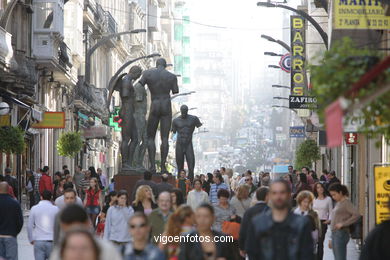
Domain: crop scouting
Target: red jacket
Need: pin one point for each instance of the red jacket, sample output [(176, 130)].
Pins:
[(45, 183)]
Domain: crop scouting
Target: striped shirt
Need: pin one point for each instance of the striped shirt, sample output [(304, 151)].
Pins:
[(37, 177), (214, 191)]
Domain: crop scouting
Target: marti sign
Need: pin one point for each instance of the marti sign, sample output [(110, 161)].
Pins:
[(298, 82)]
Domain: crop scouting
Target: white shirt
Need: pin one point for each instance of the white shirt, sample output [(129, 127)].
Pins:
[(41, 221), (195, 198), (323, 208), (298, 211), (60, 203)]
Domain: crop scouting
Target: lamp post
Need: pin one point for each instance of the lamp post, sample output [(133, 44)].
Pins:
[(280, 86), (281, 98), (273, 54), (182, 94), (274, 66), (281, 43), (100, 43), (322, 33)]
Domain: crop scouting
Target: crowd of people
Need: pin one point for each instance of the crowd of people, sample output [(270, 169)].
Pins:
[(83, 217)]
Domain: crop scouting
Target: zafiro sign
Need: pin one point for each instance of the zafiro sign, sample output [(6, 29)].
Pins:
[(302, 102), (298, 81)]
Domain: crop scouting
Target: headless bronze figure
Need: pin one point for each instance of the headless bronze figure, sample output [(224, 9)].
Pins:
[(160, 83)]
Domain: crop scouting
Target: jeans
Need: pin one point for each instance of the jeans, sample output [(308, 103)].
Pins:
[(42, 249), (9, 248), (340, 240), (320, 251)]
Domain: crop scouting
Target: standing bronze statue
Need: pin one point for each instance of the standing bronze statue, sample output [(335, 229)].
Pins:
[(124, 84), (160, 83), (140, 110), (185, 125)]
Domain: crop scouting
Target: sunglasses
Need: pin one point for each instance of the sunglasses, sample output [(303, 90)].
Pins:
[(138, 226)]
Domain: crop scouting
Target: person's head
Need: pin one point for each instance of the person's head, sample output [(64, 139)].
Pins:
[(112, 197), (204, 217), (223, 196), (139, 227), (147, 175), (290, 169), (280, 194), (65, 167), (57, 175), (69, 196), (184, 111), (164, 177), (332, 174), (68, 185), (305, 200), (45, 169), (164, 201), (79, 168), (79, 244), (72, 216), (325, 172), (197, 184), (262, 194), (161, 62), (69, 179), (123, 198), (222, 170), (249, 180), (287, 177), (218, 178), (93, 171), (338, 191), (305, 170), (202, 177), (93, 184), (29, 173), (66, 173), (177, 197), (62, 181), (242, 192), (3, 187), (99, 171), (319, 189), (182, 174), (87, 174), (135, 72), (144, 192), (46, 195), (248, 173), (303, 178), (183, 215), (210, 177), (7, 171)]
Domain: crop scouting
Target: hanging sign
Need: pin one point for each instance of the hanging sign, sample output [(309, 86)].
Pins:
[(298, 81), (368, 14), (297, 132), (351, 138), (382, 193), (285, 63), (51, 120), (305, 102)]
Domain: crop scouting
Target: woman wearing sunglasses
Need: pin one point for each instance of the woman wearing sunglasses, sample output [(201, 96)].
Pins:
[(140, 248)]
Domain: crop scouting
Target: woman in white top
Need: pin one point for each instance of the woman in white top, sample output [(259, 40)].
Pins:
[(197, 196), (241, 201), (323, 205)]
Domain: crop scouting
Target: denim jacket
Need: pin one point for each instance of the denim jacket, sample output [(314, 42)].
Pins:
[(150, 252), (259, 244)]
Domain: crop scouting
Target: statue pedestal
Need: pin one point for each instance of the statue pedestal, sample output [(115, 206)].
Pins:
[(126, 180)]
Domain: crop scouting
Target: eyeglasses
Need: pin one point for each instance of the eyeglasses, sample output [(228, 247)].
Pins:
[(247, 179), (138, 226)]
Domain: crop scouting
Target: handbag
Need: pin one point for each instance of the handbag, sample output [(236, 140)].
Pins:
[(356, 229), (231, 228)]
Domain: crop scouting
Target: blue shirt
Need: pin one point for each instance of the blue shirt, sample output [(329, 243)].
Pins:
[(214, 188), (116, 226)]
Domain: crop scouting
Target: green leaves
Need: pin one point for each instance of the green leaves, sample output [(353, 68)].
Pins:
[(307, 153), (69, 144), (11, 140)]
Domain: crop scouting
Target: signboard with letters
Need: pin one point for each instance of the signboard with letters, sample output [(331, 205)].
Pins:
[(352, 123), (368, 14), (302, 102), (298, 53), (297, 132), (96, 132), (51, 120), (382, 192)]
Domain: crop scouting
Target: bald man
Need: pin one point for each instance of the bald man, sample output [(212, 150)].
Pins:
[(159, 216), (11, 223)]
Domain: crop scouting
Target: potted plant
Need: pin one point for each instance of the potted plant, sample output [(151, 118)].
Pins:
[(11, 140), (69, 144)]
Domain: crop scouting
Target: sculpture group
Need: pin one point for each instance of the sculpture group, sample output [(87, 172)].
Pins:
[(138, 134)]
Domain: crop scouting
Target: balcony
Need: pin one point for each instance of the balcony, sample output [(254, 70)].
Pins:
[(93, 14), (110, 25), (6, 51)]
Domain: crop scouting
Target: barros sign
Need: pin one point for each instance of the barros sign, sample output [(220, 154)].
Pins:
[(302, 102), (298, 53)]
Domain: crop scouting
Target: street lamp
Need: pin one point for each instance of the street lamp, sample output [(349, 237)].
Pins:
[(274, 66), (322, 33), (280, 86), (281, 43), (284, 98), (183, 94), (100, 43), (273, 54)]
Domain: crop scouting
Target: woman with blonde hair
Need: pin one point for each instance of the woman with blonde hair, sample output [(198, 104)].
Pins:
[(241, 201), (144, 200), (181, 221)]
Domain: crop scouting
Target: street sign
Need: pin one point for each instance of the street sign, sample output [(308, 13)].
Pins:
[(382, 192), (302, 102), (351, 138), (297, 132), (285, 63)]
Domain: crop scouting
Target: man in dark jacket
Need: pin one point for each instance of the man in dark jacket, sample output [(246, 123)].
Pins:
[(279, 234), (11, 222), (163, 185), (146, 181), (246, 223), (12, 181)]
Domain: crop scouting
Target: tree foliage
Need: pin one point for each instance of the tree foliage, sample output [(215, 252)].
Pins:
[(342, 66), (69, 144), (11, 140), (307, 153)]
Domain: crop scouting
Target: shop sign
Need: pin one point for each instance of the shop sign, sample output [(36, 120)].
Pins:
[(298, 81), (5, 120), (297, 132), (382, 192), (95, 132), (83, 120), (302, 102), (359, 14), (285, 63), (351, 138), (352, 123), (114, 120), (51, 120)]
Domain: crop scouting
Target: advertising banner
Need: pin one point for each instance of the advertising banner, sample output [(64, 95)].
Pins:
[(51, 120), (382, 192), (302, 102), (297, 132), (368, 14), (298, 53)]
